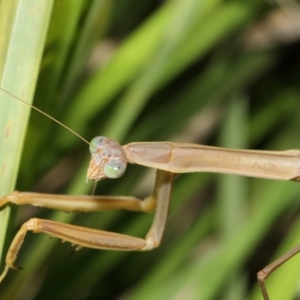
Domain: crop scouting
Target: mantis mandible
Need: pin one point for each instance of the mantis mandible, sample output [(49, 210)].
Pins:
[(109, 160)]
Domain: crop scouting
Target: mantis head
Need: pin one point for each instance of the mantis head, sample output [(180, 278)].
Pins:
[(108, 159)]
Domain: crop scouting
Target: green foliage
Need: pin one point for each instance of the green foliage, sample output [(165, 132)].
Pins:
[(189, 71)]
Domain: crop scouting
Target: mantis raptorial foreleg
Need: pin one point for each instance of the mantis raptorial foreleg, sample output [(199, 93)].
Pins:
[(93, 238)]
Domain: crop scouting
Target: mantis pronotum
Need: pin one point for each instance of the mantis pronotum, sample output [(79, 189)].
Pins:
[(109, 160)]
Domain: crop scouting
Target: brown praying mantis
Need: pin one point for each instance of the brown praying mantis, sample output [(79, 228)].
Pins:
[(109, 160)]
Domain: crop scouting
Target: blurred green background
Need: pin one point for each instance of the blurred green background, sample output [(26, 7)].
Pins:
[(223, 73)]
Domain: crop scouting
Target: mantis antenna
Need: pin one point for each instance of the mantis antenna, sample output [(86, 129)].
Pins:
[(43, 113)]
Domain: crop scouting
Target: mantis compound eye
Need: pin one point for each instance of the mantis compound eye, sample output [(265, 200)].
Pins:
[(114, 169), (96, 142), (108, 159)]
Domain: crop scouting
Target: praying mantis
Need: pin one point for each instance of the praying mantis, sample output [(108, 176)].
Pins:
[(109, 160)]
